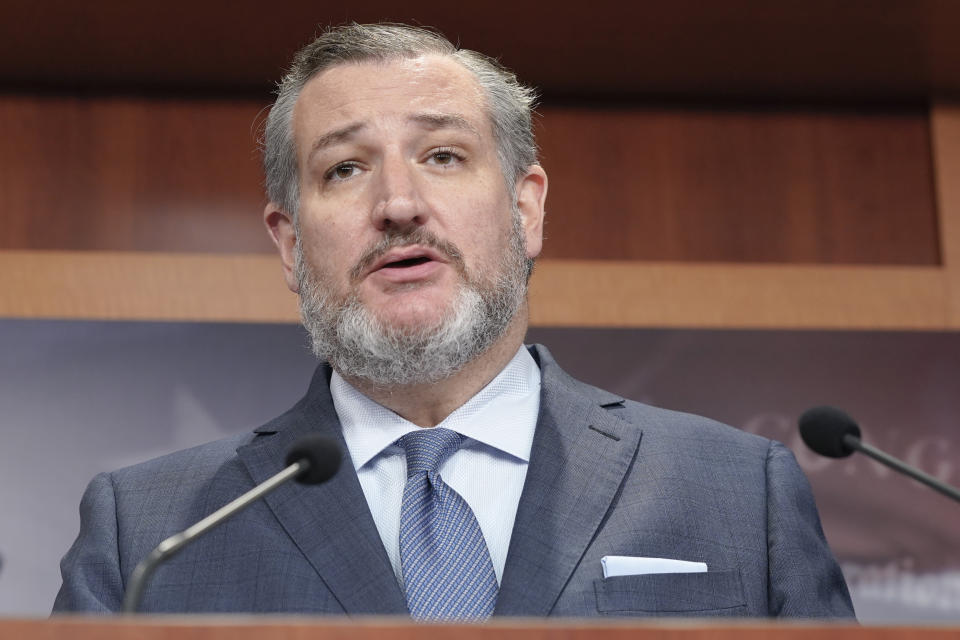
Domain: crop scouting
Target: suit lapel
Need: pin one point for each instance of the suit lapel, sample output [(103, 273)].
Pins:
[(330, 523), (580, 456)]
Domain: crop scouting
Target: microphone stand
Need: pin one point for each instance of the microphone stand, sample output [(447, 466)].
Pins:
[(163, 551), (853, 442)]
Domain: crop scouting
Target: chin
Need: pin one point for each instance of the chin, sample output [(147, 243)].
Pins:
[(415, 312), (411, 320)]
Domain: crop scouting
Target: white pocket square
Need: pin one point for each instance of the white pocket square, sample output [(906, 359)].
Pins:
[(637, 566)]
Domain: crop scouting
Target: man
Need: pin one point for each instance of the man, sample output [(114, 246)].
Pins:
[(407, 207)]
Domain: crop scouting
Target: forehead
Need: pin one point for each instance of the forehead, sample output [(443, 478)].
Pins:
[(384, 93)]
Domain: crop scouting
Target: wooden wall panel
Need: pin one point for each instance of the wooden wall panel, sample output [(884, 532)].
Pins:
[(946, 131), (663, 185), (815, 49), (130, 174), (563, 293), (795, 187)]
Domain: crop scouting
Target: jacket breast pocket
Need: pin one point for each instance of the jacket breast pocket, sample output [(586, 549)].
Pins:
[(714, 593)]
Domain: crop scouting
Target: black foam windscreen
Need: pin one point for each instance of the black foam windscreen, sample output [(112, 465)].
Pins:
[(322, 454), (823, 430)]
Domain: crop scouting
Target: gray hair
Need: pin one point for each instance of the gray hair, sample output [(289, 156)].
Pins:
[(509, 103)]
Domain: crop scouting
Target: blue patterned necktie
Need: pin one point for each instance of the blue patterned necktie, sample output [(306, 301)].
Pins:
[(447, 570)]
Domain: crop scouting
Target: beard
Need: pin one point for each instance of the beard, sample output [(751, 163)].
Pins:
[(358, 344)]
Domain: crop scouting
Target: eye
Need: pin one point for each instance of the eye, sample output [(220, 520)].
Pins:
[(342, 171), (444, 157)]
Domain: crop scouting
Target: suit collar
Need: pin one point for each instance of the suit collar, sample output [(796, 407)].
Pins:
[(330, 523), (502, 415), (581, 454)]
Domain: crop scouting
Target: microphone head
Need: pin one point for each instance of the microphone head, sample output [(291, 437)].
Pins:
[(823, 430), (322, 455)]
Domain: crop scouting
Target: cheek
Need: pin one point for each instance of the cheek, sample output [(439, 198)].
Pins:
[(322, 251), (329, 239), (487, 243)]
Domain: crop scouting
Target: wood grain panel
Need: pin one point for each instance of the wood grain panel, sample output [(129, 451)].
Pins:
[(946, 136), (571, 293), (236, 288), (740, 186), (130, 174), (144, 286), (752, 186), (306, 628), (818, 49)]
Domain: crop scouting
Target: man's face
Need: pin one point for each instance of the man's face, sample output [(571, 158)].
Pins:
[(391, 148), (403, 201)]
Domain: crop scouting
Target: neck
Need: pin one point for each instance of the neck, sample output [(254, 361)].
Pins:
[(427, 405)]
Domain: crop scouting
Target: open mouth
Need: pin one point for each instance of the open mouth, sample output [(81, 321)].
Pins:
[(403, 264)]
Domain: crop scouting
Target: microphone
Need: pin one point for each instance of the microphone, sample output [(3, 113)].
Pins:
[(311, 460), (832, 433)]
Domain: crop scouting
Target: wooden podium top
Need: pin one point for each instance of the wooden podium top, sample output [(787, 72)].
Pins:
[(309, 628)]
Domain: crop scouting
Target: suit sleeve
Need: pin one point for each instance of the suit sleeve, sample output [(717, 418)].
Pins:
[(92, 582), (804, 578)]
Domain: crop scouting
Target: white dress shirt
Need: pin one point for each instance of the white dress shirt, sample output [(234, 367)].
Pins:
[(488, 470)]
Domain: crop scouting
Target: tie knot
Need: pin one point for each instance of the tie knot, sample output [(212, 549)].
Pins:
[(427, 448)]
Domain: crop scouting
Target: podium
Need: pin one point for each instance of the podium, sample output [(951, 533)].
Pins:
[(312, 628)]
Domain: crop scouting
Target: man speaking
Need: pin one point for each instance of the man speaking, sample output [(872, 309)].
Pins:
[(407, 206)]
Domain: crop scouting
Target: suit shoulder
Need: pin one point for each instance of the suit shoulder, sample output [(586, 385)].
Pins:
[(660, 425), (678, 424), (673, 429)]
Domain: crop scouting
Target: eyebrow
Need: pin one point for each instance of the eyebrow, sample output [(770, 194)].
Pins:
[(431, 121), (435, 121), (335, 137)]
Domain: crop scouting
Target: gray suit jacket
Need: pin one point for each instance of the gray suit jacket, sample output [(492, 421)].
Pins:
[(607, 476)]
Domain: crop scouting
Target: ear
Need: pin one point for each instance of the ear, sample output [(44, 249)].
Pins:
[(283, 233), (531, 200)]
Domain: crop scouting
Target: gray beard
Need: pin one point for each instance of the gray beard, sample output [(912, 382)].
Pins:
[(357, 344)]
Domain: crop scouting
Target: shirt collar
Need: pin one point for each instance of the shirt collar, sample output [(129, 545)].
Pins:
[(502, 415)]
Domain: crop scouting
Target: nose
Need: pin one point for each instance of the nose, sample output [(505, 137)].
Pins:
[(399, 199)]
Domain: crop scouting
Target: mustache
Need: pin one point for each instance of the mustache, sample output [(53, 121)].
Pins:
[(403, 238)]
